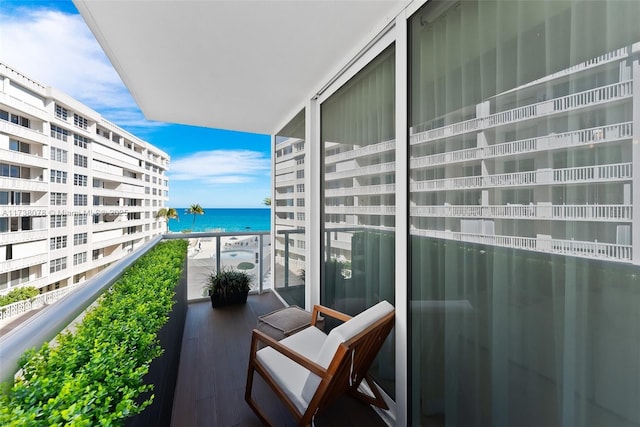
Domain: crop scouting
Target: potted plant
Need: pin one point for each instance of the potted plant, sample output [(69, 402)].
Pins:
[(228, 286)]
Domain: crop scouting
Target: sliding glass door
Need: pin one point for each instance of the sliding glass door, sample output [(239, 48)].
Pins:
[(358, 227), (524, 278), (289, 278)]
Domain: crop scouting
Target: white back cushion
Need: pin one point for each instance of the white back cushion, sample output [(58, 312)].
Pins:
[(340, 334)]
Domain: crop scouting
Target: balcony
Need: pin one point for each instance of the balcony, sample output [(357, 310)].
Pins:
[(577, 175), (214, 353), (598, 96), (575, 248), (24, 184), (613, 213), (553, 141)]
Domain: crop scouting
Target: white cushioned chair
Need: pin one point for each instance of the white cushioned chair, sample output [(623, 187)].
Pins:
[(309, 369)]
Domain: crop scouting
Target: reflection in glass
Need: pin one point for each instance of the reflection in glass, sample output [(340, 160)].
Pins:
[(358, 146), (524, 278), (289, 212)]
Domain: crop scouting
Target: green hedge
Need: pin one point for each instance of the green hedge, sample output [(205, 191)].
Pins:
[(18, 294), (94, 375)]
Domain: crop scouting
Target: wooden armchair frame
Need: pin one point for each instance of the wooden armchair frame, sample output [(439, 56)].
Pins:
[(345, 373)]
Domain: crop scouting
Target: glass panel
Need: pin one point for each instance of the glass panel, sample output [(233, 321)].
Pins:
[(524, 279), (358, 146), (289, 278)]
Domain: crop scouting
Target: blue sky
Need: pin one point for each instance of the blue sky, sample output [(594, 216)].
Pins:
[(49, 42)]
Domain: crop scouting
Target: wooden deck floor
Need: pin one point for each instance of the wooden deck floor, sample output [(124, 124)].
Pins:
[(213, 371)]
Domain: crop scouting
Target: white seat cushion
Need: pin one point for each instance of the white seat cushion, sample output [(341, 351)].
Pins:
[(340, 334), (289, 375)]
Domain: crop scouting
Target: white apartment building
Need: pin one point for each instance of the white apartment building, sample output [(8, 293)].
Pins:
[(76, 191), (289, 208), (526, 168)]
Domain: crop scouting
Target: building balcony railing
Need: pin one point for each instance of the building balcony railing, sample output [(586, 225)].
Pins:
[(359, 153), (289, 156), (24, 133), (25, 107), (364, 190), (20, 307), (15, 264), (584, 174), (126, 190), (109, 173), (582, 249), (287, 180), (289, 222), (613, 213), (596, 96), (288, 169), (591, 136), (23, 236), (25, 159), (362, 171), (361, 210), (23, 184), (119, 223)]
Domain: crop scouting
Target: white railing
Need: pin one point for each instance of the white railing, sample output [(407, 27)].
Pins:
[(447, 184), (582, 249), (32, 160), (362, 190), (23, 184), (510, 179), (361, 171), (593, 96), (448, 158), (598, 95), (20, 307), (361, 210), (287, 169), (593, 173), (591, 63), (598, 212), (596, 135), (591, 249), (23, 132), (16, 264), (23, 236), (600, 173), (616, 213), (368, 150)]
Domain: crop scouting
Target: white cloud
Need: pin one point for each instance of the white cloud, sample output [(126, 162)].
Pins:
[(220, 167), (57, 49)]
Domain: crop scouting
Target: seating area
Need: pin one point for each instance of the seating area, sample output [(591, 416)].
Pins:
[(310, 369), (211, 383)]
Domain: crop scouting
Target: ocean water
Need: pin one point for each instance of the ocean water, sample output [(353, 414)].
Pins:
[(223, 219)]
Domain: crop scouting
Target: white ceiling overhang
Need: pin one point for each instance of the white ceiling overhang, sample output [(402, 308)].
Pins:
[(239, 65)]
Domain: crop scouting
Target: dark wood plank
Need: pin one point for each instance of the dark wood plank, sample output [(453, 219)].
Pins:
[(213, 371)]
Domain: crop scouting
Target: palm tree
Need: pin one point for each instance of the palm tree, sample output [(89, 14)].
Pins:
[(167, 213), (194, 210), (267, 201)]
